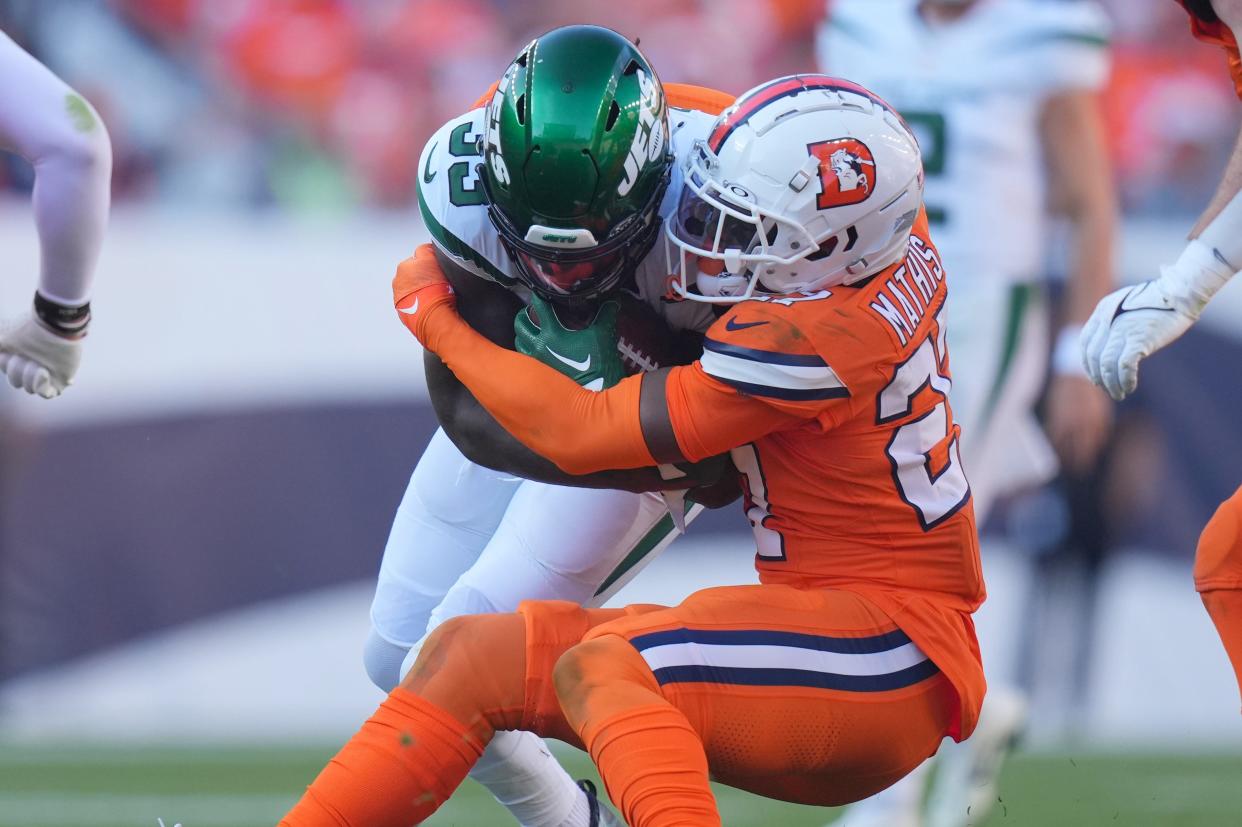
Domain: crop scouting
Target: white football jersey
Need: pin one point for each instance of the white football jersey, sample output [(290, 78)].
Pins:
[(972, 91), (450, 197)]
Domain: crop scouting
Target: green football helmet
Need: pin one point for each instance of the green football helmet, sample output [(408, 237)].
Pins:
[(576, 161)]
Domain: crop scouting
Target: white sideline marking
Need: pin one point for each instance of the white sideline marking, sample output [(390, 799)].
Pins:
[(60, 809)]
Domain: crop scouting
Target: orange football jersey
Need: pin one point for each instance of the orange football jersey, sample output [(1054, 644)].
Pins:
[(1218, 34), (859, 485)]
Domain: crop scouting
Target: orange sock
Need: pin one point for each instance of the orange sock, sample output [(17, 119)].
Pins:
[(650, 757), (1218, 576), (654, 767), (405, 762), (474, 675)]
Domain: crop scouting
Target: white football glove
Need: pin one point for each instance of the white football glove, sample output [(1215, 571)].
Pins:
[(37, 360), (1134, 322)]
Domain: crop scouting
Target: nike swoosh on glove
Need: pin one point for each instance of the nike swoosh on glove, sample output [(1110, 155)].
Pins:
[(1132, 323), (37, 360), (418, 288), (1127, 326)]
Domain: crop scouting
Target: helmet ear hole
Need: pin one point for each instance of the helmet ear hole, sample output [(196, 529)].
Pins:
[(770, 232), (826, 248), (521, 109), (614, 112), (851, 235)]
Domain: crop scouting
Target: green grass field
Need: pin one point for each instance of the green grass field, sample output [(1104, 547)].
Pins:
[(94, 787)]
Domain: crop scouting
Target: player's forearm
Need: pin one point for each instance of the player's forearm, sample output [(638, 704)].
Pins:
[(1230, 186), (1091, 270), (485, 442), (1082, 190), (581, 431), (59, 133), (1214, 253)]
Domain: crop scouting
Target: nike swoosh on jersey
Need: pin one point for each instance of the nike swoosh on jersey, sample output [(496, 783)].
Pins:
[(428, 175), (411, 310), (1134, 293), (585, 364), (732, 324)]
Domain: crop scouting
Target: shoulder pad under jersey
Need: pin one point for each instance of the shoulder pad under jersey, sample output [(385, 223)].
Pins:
[(450, 198), (760, 348)]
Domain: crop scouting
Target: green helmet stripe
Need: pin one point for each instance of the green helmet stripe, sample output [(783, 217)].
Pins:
[(575, 139)]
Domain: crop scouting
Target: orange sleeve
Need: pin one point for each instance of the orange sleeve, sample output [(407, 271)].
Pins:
[(701, 98), (680, 95), (581, 431), (709, 417)]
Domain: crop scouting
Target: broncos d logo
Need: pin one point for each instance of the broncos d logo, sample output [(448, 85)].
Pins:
[(846, 172)]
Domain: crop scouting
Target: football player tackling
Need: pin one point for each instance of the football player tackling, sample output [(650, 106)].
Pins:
[(1134, 322), (828, 380), (58, 132), (565, 216)]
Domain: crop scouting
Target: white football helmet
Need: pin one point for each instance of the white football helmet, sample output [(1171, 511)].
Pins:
[(805, 182)]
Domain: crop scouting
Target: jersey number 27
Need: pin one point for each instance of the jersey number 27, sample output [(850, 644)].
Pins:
[(926, 460)]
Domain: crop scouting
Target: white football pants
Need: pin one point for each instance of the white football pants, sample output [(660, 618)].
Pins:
[(468, 540)]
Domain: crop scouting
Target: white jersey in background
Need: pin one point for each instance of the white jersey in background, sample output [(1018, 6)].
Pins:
[(61, 135), (466, 539), (973, 91)]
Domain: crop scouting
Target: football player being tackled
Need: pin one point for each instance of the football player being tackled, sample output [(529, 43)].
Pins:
[(827, 378), (63, 138), (566, 213), (1134, 322)]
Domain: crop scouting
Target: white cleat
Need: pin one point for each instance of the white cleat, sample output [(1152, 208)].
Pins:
[(967, 788), (898, 806)]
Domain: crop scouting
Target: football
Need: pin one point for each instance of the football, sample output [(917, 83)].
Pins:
[(646, 342)]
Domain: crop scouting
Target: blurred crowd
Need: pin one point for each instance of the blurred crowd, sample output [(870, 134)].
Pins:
[(325, 104)]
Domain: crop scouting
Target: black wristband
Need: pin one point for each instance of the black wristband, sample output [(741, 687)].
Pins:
[(67, 320)]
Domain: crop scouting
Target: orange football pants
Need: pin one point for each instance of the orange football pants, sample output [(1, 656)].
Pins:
[(813, 696), (805, 695), (1218, 576)]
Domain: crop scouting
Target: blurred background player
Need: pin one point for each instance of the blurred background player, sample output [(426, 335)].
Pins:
[(1003, 97), (565, 213), (1134, 322), (62, 136)]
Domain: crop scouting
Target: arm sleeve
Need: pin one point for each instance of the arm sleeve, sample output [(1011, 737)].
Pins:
[(581, 431), (584, 431), (700, 98), (57, 131)]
